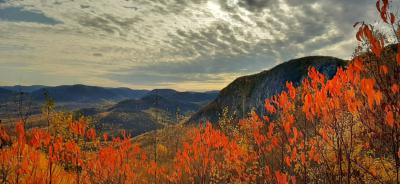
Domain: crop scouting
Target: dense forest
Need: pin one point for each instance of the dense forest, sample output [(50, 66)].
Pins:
[(340, 130)]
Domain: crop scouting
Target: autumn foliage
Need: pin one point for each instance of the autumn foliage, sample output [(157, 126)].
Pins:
[(344, 129)]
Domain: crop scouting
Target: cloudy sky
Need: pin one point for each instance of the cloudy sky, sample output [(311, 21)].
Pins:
[(182, 44)]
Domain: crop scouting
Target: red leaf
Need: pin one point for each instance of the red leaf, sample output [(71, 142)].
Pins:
[(398, 54), (383, 16), (378, 5), (358, 35), (392, 18), (384, 9)]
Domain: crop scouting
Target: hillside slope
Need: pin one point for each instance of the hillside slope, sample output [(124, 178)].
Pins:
[(154, 101), (193, 97), (249, 92)]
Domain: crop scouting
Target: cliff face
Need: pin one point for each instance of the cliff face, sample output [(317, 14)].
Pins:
[(249, 92)]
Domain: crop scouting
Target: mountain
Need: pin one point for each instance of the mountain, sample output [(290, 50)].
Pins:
[(249, 92), (157, 109), (25, 89), (86, 94)]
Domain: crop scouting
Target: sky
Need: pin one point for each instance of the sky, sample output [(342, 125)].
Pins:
[(195, 45)]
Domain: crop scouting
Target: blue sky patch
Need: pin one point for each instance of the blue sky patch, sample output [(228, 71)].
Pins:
[(18, 14)]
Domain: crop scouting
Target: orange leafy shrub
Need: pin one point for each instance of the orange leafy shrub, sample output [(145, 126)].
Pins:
[(210, 157), (38, 156)]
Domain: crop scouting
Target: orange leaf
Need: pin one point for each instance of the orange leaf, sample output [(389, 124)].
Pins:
[(358, 64), (303, 158), (270, 108), (324, 134), (312, 153), (267, 171), (105, 137), (398, 153), (395, 88), (287, 127), (287, 161), (294, 154), (291, 89), (389, 118), (283, 99), (367, 88), (378, 97), (384, 69), (254, 117), (281, 178), (274, 142), (21, 134), (270, 130), (91, 134), (266, 118)]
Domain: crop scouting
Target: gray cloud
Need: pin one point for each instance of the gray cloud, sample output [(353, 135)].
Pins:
[(98, 54), (109, 24), (154, 42), (304, 24), (310, 27), (84, 6), (254, 4)]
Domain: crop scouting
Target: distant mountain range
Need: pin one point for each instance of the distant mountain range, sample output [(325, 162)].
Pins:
[(71, 93), (249, 92), (87, 94), (25, 89), (137, 111), (94, 94)]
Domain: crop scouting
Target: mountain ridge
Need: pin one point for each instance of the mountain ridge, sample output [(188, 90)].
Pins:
[(84, 93)]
